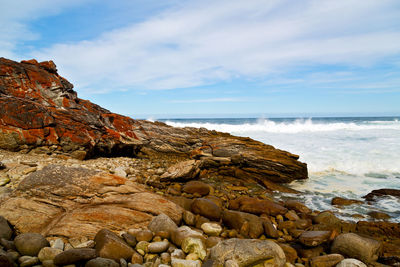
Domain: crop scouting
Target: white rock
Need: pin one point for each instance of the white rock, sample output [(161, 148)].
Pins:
[(185, 263), (351, 263), (213, 229)]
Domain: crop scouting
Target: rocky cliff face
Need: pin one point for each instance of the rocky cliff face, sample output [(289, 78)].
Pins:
[(39, 108)]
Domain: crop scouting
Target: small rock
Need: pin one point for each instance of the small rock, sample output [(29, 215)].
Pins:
[(314, 238), (101, 262), (143, 246), (144, 235), (177, 254), (79, 154), (158, 247), (130, 239), (189, 218), (120, 171), (297, 206), (111, 246), (123, 263), (28, 261), (327, 218), (248, 224), (350, 263), (212, 241), (30, 243), (74, 255), (185, 263), (206, 208), (162, 223), (58, 244), (269, 228), (192, 256), (354, 246), (48, 253), (292, 216), (198, 187), (291, 253), (136, 258), (165, 258), (48, 263), (213, 229), (329, 260), (5, 229), (194, 245), (183, 232), (4, 180)]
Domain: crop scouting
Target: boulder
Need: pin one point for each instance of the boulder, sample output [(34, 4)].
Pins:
[(247, 252), (257, 206), (30, 243), (101, 262), (206, 208), (111, 246), (297, 206), (247, 224), (314, 238), (5, 229), (162, 222), (290, 252), (374, 194), (354, 246), (86, 200)]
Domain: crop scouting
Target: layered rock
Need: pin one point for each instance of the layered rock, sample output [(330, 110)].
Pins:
[(39, 108), (71, 202)]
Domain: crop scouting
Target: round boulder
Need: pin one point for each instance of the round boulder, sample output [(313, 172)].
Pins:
[(198, 187), (206, 208), (30, 244)]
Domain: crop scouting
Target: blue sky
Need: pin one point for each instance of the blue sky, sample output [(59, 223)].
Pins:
[(181, 58)]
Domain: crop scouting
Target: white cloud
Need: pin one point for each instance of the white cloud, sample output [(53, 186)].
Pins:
[(204, 42)]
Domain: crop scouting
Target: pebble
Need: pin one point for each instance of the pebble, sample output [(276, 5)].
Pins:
[(158, 247), (213, 229), (48, 253)]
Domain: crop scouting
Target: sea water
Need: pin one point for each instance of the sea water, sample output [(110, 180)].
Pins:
[(346, 157)]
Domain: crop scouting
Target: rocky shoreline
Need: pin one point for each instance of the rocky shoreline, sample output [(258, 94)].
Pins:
[(81, 186)]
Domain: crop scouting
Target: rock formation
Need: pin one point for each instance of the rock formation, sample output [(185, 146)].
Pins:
[(39, 109)]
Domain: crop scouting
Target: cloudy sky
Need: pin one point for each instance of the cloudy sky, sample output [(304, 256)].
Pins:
[(175, 58)]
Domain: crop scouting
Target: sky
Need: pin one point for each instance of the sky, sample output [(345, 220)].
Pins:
[(220, 58)]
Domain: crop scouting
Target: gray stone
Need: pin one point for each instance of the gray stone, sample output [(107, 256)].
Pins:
[(58, 244), (5, 229), (101, 262), (30, 243), (351, 263), (75, 255), (247, 252), (354, 246), (162, 223)]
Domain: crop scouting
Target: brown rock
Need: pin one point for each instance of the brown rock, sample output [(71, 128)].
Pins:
[(329, 260), (136, 258), (269, 228), (297, 206), (248, 224), (185, 170), (327, 218), (206, 208), (74, 255), (212, 241), (290, 252), (111, 246), (198, 187), (30, 243), (314, 238), (309, 252), (144, 235), (86, 200), (378, 215), (344, 202), (381, 193), (257, 206), (183, 232)]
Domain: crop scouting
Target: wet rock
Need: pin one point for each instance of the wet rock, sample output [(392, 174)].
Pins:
[(351, 263), (162, 223), (379, 215), (111, 246), (30, 243), (314, 238), (74, 255), (269, 228), (206, 208), (381, 193), (354, 246), (328, 260), (297, 206), (196, 187), (292, 216), (247, 252), (339, 201), (101, 262), (257, 206), (184, 232), (213, 229), (248, 224), (5, 229), (290, 252), (327, 218)]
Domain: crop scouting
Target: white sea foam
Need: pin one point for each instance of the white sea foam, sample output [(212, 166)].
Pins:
[(345, 158)]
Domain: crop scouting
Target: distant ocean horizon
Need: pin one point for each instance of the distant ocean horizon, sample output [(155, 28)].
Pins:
[(346, 156)]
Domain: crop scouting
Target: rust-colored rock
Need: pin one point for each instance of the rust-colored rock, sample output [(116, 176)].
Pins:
[(257, 206), (38, 107), (72, 202)]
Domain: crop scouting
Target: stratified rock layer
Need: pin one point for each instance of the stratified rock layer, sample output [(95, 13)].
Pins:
[(72, 202), (38, 108)]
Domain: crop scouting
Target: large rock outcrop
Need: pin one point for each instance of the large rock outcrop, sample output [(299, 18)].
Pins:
[(71, 202), (38, 108)]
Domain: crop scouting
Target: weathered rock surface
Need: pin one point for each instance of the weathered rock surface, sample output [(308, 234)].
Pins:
[(247, 252), (66, 201), (355, 246), (38, 108)]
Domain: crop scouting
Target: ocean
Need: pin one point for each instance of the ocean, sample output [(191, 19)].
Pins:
[(346, 157)]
